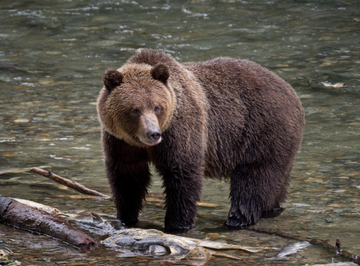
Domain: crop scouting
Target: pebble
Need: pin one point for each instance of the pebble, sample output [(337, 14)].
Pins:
[(339, 190), (21, 120), (46, 81)]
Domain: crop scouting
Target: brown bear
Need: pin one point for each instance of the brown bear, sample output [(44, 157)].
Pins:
[(223, 118)]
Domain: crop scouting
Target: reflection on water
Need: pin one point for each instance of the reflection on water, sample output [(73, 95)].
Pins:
[(53, 55)]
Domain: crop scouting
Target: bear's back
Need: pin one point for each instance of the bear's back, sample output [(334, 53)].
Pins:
[(249, 107)]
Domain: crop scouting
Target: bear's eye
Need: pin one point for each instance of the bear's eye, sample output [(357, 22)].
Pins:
[(157, 109), (135, 112)]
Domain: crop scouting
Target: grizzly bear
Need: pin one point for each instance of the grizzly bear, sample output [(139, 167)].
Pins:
[(223, 118)]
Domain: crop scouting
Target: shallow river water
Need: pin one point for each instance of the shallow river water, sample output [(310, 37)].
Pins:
[(52, 57)]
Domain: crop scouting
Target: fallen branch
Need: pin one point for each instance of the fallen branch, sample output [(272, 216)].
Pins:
[(26, 217), (69, 183)]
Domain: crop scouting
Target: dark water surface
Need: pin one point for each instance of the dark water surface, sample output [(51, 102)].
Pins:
[(53, 55)]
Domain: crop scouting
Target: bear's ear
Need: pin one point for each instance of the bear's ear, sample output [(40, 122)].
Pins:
[(160, 72), (112, 78)]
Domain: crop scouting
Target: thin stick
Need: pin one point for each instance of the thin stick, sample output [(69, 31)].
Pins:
[(69, 183)]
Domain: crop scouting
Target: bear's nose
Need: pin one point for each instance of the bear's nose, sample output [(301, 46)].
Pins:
[(153, 135)]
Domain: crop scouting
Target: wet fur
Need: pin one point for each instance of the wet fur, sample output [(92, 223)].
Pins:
[(225, 118)]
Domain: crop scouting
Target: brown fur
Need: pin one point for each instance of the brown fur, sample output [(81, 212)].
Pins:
[(221, 118)]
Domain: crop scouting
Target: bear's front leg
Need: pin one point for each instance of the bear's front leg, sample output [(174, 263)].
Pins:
[(183, 190), (128, 174), (182, 172)]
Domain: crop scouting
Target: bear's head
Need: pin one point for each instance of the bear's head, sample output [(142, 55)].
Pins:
[(137, 103)]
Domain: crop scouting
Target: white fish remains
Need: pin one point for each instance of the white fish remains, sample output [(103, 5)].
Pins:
[(151, 242), (4, 252), (119, 237), (289, 249), (337, 85)]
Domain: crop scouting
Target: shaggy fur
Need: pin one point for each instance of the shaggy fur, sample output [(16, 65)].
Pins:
[(221, 118)]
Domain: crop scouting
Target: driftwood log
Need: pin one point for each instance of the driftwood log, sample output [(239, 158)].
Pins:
[(25, 217)]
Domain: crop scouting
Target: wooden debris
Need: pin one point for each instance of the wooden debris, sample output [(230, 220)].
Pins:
[(69, 183), (26, 217), (208, 205), (39, 206)]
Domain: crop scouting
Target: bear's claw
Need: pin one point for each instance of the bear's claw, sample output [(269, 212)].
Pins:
[(235, 223)]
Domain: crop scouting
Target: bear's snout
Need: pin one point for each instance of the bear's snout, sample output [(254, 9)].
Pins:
[(154, 136), (149, 132)]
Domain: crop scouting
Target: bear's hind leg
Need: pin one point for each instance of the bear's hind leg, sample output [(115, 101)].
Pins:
[(276, 209), (255, 189)]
